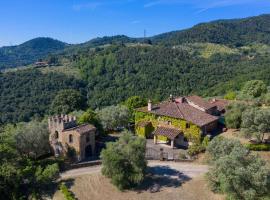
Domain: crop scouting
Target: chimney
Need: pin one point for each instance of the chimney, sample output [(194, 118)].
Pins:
[(171, 99), (149, 105)]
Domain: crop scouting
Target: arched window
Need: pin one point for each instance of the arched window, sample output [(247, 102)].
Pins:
[(70, 138), (56, 134)]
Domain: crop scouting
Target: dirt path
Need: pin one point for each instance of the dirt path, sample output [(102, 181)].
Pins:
[(189, 169)]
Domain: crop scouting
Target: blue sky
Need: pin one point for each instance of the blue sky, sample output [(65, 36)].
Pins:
[(76, 21)]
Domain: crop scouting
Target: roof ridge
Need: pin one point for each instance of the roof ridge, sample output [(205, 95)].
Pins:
[(179, 110)]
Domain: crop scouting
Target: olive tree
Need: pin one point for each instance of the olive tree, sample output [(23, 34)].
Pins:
[(32, 139), (256, 122), (233, 116), (113, 117), (237, 173), (124, 161)]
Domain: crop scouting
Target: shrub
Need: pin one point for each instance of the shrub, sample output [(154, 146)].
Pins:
[(67, 194), (205, 142), (230, 96), (195, 149), (258, 147), (221, 146)]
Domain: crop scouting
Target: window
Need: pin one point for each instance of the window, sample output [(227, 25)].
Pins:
[(187, 125), (56, 134), (70, 138)]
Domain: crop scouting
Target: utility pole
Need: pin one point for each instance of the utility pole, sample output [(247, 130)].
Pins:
[(144, 36)]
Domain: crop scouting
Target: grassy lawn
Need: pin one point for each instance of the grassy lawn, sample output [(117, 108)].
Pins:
[(97, 187), (67, 70)]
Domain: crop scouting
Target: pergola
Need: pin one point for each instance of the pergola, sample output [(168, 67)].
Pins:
[(168, 132)]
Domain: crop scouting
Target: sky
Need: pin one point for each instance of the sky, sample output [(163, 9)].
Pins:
[(77, 21)]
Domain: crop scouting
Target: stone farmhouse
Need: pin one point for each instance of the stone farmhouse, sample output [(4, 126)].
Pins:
[(66, 135), (180, 120)]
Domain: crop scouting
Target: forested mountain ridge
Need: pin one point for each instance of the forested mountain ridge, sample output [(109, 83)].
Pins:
[(111, 69), (29, 52), (233, 32)]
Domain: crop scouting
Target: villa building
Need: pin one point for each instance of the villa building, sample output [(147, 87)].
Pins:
[(179, 120), (66, 135)]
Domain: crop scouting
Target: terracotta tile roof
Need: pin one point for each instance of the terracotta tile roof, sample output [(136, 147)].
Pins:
[(181, 111), (84, 128), (220, 103), (199, 101), (170, 133)]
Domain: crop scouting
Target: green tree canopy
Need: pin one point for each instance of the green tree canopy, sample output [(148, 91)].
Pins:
[(233, 116), (22, 177), (124, 161), (113, 117), (91, 117), (32, 139), (254, 88), (67, 101), (266, 99), (256, 122), (134, 102), (236, 172)]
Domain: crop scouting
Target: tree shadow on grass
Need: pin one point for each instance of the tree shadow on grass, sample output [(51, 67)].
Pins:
[(162, 176), (69, 183), (54, 187)]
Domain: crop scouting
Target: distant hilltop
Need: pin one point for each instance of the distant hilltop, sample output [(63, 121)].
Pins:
[(234, 32)]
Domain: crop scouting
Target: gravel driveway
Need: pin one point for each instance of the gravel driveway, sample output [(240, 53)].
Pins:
[(188, 169)]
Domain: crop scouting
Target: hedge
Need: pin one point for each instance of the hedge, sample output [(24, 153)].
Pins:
[(258, 147)]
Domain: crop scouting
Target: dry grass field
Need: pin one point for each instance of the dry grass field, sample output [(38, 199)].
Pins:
[(235, 134), (97, 187)]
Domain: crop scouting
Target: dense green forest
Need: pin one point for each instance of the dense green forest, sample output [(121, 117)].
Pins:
[(114, 68), (115, 73), (236, 32), (29, 93), (29, 52)]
